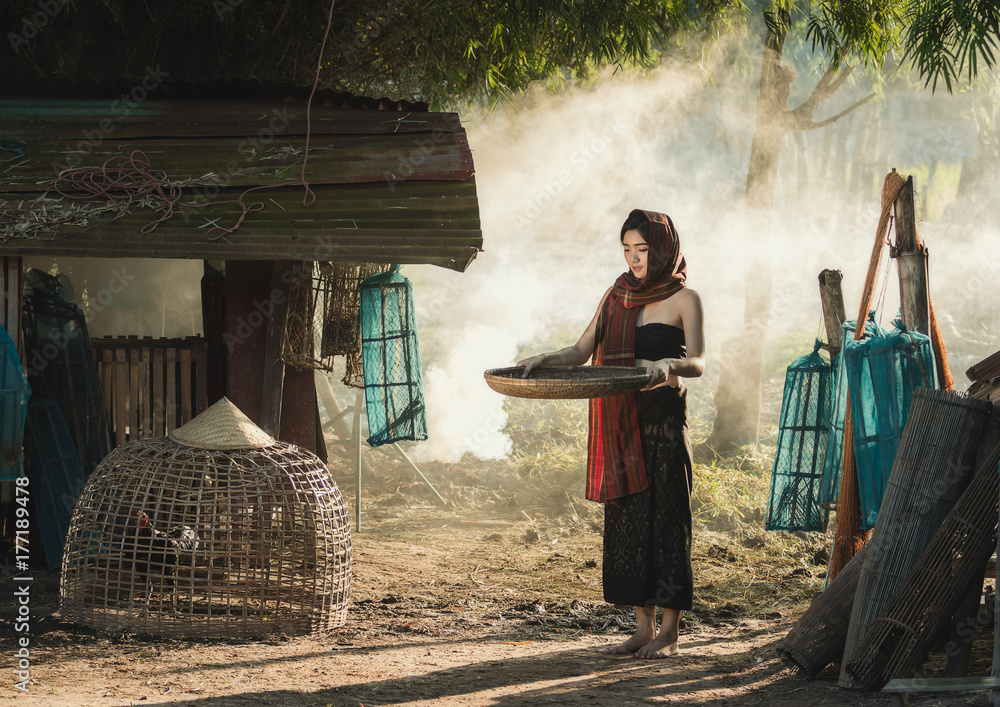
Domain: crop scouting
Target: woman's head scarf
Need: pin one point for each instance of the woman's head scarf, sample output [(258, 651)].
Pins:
[(615, 466)]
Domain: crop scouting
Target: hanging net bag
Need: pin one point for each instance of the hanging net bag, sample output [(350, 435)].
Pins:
[(802, 444), (883, 370), (323, 318), (834, 460), (14, 394), (394, 386)]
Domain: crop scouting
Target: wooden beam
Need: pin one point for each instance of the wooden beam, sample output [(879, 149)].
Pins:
[(832, 297), (11, 269), (274, 367), (911, 257)]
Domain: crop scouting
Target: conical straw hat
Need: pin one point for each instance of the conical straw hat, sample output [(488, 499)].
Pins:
[(222, 426)]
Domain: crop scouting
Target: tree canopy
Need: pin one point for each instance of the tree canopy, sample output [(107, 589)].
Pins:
[(433, 50), (443, 50), (948, 38)]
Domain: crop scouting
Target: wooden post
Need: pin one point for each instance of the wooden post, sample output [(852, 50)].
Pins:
[(912, 261), (832, 297), (274, 367), (11, 268)]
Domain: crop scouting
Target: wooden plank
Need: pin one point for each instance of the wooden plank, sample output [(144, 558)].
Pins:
[(133, 395), (911, 257), (120, 393), (185, 381), (11, 268), (171, 393), (146, 422), (201, 380), (68, 117), (832, 299), (107, 359), (905, 214), (986, 682), (159, 416), (332, 160)]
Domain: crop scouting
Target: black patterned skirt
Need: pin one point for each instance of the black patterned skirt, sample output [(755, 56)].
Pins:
[(647, 535)]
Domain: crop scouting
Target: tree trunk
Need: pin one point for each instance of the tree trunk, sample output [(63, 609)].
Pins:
[(737, 399)]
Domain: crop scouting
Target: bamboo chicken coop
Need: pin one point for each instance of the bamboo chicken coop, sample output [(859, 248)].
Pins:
[(216, 531)]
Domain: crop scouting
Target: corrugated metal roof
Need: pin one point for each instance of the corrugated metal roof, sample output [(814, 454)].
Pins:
[(391, 185)]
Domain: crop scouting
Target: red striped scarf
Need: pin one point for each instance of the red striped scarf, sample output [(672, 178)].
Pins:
[(615, 466)]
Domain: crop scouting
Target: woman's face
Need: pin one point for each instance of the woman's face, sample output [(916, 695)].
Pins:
[(636, 250)]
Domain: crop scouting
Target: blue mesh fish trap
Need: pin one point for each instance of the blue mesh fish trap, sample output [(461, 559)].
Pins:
[(883, 370), (834, 458), (14, 394), (394, 385), (796, 478), (830, 489)]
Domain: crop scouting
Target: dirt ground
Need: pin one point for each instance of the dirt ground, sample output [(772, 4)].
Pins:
[(471, 604)]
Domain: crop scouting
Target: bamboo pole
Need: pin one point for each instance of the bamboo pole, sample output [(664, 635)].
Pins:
[(359, 400)]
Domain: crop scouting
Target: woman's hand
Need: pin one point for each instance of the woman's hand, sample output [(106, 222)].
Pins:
[(532, 363), (659, 372)]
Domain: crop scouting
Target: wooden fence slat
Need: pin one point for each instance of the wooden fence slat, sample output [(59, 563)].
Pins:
[(133, 395), (171, 400), (201, 381), (185, 361), (146, 422), (121, 391), (108, 383), (151, 386), (159, 417)]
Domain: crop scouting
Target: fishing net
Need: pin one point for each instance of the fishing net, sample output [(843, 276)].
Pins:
[(883, 369), (803, 429), (394, 387)]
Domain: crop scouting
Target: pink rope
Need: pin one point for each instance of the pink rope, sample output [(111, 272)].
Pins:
[(310, 196), (122, 180)]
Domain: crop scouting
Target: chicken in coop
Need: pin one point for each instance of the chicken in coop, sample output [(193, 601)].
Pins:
[(151, 550)]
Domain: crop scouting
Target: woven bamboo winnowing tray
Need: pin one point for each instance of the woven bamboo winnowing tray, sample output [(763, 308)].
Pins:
[(567, 381)]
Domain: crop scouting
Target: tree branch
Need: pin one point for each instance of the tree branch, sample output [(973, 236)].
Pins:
[(810, 124), (824, 91)]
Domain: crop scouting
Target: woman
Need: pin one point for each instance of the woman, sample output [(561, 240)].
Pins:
[(639, 450)]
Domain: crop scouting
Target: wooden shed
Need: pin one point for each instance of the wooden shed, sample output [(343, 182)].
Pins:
[(214, 172)]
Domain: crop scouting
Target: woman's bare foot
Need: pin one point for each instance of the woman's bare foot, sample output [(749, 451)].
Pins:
[(659, 647), (639, 639)]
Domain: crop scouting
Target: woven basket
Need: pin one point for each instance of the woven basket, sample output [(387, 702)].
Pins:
[(567, 381)]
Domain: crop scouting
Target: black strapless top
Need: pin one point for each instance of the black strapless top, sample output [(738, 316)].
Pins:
[(655, 341)]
